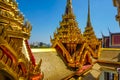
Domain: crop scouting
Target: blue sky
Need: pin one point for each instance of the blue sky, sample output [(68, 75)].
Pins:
[(45, 15)]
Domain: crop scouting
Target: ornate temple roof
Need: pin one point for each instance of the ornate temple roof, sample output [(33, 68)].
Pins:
[(16, 58), (89, 33), (87, 60), (110, 54), (68, 30), (52, 65), (13, 19)]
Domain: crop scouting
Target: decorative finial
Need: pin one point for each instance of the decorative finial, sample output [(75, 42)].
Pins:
[(109, 30), (88, 18), (69, 7), (69, 1), (102, 34)]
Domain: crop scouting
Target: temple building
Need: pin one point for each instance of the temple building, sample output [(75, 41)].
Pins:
[(16, 59), (83, 53), (74, 56), (111, 41)]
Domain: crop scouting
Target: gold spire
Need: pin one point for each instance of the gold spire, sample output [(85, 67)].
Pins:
[(68, 29), (69, 7), (89, 32), (88, 18), (88, 29)]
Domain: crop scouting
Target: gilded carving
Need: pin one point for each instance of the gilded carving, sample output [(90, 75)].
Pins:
[(1, 54), (9, 62), (13, 32), (75, 47), (13, 66), (4, 58)]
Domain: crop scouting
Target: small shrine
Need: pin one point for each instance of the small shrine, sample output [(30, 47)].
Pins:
[(74, 47)]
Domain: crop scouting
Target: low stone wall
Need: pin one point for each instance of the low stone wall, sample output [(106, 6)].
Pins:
[(43, 50)]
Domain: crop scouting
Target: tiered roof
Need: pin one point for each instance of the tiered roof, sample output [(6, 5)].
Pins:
[(68, 32), (15, 52), (89, 32)]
